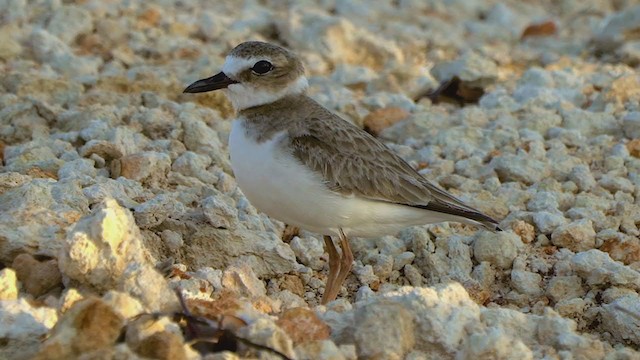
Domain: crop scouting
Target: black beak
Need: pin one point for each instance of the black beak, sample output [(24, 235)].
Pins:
[(218, 81)]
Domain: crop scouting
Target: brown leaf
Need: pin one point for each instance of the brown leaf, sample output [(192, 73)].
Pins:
[(546, 28)]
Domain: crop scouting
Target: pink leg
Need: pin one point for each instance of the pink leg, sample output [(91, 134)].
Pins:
[(334, 268), (344, 267)]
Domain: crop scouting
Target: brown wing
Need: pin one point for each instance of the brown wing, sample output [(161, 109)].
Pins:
[(355, 163)]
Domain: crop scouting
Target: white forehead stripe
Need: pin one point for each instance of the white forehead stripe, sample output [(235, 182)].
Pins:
[(235, 65)]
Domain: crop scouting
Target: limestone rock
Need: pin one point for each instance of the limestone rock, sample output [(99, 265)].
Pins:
[(498, 249), (101, 246), (565, 288), (148, 167), (22, 325), (266, 333), (89, 326), (309, 251), (576, 236), (470, 67), (69, 21), (321, 350), (8, 284), (157, 338), (303, 326), (243, 281), (385, 329), (51, 50), (597, 268), (37, 277), (33, 218), (219, 213), (619, 318), (617, 28), (104, 250)]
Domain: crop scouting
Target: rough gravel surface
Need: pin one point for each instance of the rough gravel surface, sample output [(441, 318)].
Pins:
[(116, 188)]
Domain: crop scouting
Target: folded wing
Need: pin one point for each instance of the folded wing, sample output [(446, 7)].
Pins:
[(356, 163)]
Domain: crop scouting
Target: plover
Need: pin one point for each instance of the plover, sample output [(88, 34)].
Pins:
[(301, 164)]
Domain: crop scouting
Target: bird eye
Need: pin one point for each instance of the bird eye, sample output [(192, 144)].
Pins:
[(262, 67)]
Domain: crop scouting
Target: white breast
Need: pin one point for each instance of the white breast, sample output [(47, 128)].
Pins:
[(280, 186), (276, 183)]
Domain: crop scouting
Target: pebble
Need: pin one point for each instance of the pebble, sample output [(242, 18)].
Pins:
[(172, 239), (562, 288), (104, 250), (525, 230), (519, 168), (218, 212), (149, 167), (373, 340), (597, 268), (195, 165), (631, 125), (309, 251), (582, 177), (68, 22), (526, 282), (470, 67), (266, 333), (498, 249), (75, 335), (547, 222), (155, 211), (243, 281), (620, 247), (50, 50), (321, 350), (303, 325), (37, 277), (618, 318), (615, 183), (615, 27), (124, 304), (24, 324), (402, 260), (576, 236)]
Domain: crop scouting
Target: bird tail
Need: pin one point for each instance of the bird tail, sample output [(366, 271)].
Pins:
[(463, 214)]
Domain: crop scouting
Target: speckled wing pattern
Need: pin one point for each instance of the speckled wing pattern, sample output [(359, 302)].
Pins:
[(355, 163)]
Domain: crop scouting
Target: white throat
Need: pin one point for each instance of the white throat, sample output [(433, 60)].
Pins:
[(244, 96)]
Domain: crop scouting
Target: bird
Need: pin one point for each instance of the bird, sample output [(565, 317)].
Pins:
[(300, 163)]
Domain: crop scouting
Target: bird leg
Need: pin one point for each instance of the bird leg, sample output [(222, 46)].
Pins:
[(343, 265), (334, 268), (346, 261)]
